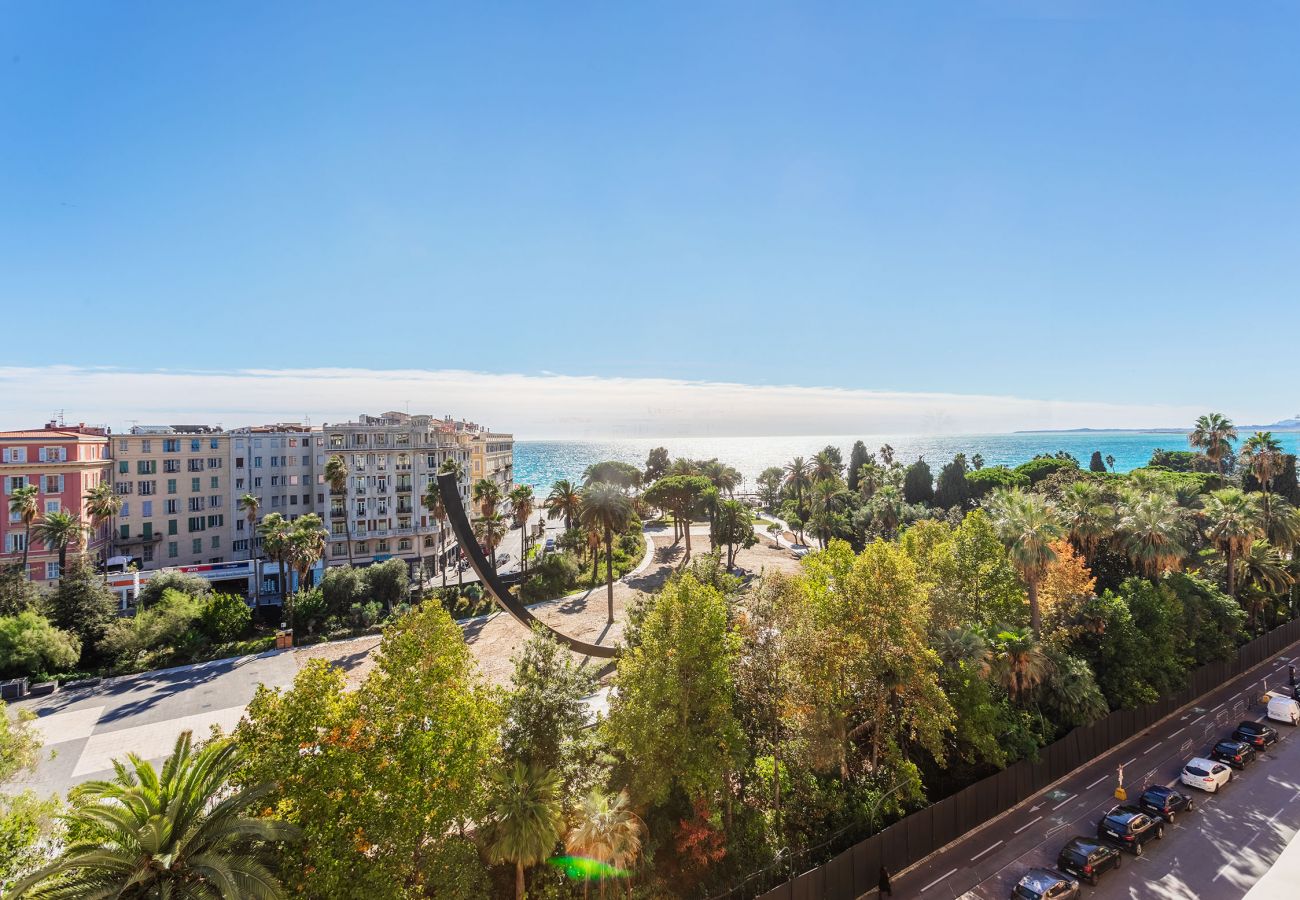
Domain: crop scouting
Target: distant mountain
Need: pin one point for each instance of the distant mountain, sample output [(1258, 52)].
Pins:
[(1291, 424)]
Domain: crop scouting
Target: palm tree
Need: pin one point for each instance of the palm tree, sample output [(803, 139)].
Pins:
[(606, 829), (490, 529), (102, 505), (825, 466), (1088, 519), (525, 818), (336, 476), (60, 531), (179, 832), (827, 496), (1262, 455), (1235, 521), (887, 455), (1019, 663), (963, 646), (1027, 525), (487, 494), (274, 531), (432, 500), (798, 477), (522, 504), (25, 504), (1110, 461), (564, 501), (887, 506), (1213, 435), (1263, 573), (1284, 526), (607, 509), (307, 539), (1154, 531), (977, 461), (250, 505)]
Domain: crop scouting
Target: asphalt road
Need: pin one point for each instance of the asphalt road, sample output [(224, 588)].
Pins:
[(1216, 852)]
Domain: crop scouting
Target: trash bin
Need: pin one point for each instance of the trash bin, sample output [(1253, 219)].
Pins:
[(283, 639), (15, 689)]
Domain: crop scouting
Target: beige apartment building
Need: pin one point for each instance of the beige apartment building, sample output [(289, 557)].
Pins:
[(175, 490), (391, 460), (491, 456)]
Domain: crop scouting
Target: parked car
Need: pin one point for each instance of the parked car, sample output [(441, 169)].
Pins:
[(1257, 734), (1165, 802), (1130, 827), (798, 551), (1044, 884), (1283, 709), (1087, 858), (1235, 753), (1205, 774), (550, 545)]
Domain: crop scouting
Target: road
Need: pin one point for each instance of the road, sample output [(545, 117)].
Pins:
[(1216, 852)]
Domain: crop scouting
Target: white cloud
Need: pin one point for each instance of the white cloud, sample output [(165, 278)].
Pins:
[(544, 405)]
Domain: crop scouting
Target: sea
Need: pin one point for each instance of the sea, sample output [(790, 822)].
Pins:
[(541, 463)]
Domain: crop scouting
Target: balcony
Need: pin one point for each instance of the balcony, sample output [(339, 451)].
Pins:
[(404, 488), (338, 513)]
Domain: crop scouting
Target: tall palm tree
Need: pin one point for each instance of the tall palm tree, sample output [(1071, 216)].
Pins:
[(102, 505), (490, 529), (336, 476), (249, 505), (1264, 575), (825, 466), (60, 531), (1154, 532), (432, 500), (525, 818), (1110, 461), (606, 508), (564, 501), (25, 504), (606, 829), (307, 541), (179, 832), (487, 494), (798, 477), (438, 508), (1234, 522), (522, 504), (827, 498), (274, 531), (963, 646), (887, 455), (1019, 663), (1262, 455), (1027, 525), (1283, 526), (1213, 435), (1087, 517), (887, 505)]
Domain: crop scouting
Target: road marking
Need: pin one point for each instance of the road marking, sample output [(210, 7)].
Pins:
[(1219, 706), (937, 880), (1026, 825), (1198, 718), (1178, 732), (1063, 802), (986, 850), (1152, 747), (1134, 759), (1097, 782)]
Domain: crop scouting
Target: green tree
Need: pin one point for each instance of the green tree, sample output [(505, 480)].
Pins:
[(1072, 691), (61, 531), (621, 474), (336, 476), (918, 485), (1027, 525), (1096, 464), (1213, 434), (525, 818), (953, 490), (102, 505), (1087, 517), (490, 529), (827, 464), (798, 478), (178, 832), (607, 830), (564, 502), (160, 583), (387, 583), (1233, 522), (17, 591), (432, 500), (671, 718), (769, 486), (274, 532), (225, 617), (1262, 456), (1019, 662), (250, 505), (656, 465), (24, 504), (30, 645), (345, 761), (307, 541), (487, 494), (735, 528), (82, 604), (679, 494), (522, 504), (27, 823), (607, 509), (858, 457), (1153, 532)]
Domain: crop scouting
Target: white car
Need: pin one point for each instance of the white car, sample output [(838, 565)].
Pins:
[(1282, 708), (1205, 774)]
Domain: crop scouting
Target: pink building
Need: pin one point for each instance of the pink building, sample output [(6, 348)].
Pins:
[(64, 463)]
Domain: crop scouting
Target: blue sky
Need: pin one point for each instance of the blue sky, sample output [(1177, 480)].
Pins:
[(1055, 201)]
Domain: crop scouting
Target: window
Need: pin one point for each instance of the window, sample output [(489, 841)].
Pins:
[(257, 462), (173, 507), (125, 512), (52, 506), (216, 521), (195, 444), (216, 542), (338, 549), (214, 443), (171, 445), (123, 488), (196, 545), (146, 509), (239, 462), (239, 546), (196, 485), (51, 571), (275, 462), (146, 553), (404, 544), (14, 482), (171, 485), (194, 465), (214, 462), (336, 440), (214, 482), (146, 446), (53, 484), (381, 547), (171, 465), (146, 466), (196, 524), (196, 504), (122, 446), (362, 548), (172, 526), (123, 467), (257, 481), (15, 541), (172, 550), (15, 454), (147, 487)]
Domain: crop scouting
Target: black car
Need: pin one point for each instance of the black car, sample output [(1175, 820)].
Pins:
[(1130, 828), (1044, 884), (1165, 802), (1087, 858), (1234, 753), (1257, 734)]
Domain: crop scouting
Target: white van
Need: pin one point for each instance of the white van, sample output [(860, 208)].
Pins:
[(1282, 708)]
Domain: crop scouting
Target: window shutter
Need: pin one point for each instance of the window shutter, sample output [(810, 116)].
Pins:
[(40, 454), (63, 454), (5, 457), (60, 484)]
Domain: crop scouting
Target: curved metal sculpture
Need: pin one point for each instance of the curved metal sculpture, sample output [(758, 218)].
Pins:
[(500, 593)]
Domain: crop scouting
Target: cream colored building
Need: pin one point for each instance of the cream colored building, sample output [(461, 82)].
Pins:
[(491, 456), (175, 490)]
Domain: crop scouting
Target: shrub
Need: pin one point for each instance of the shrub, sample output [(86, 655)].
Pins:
[(388, 583), (153, 590), (365, 614), (17, 591), (166, 631), (1040, 467), (341, 587), (30, 644), (225, 617), (306, 610), (987, 480), (552, 577)]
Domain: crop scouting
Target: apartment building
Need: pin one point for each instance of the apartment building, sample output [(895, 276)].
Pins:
[(174, 481), (64, 462), (277, 464), (391, 460)]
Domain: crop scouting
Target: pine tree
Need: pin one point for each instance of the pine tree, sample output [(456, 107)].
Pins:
[(1097, 464), (857, 456)]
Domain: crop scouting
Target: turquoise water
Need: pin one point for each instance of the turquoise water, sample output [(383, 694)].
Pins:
[(540, 463)]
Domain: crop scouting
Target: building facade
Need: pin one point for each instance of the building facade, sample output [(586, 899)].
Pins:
[(276, 465), (174, 481), (492, 456), (64, 463), (380, 515)]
